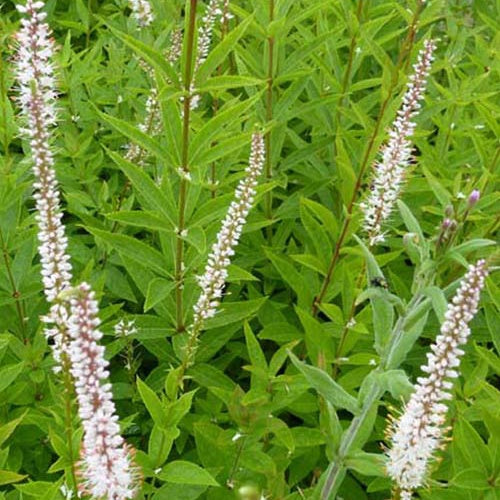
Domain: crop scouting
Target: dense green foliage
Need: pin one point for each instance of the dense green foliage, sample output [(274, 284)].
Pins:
[(276, 381)]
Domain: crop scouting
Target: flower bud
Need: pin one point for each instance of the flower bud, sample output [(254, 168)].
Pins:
[(473, 198)]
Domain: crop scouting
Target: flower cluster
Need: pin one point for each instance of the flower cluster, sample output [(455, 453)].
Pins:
[(125, 328), (395, 154), (213, 279), (37, 93), (151, 126), (419, 431), (141, 10), (173, 53), (107, 467), (205, 32)]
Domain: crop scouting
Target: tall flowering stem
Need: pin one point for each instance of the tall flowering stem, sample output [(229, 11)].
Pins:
[(184, 169), (35, 76), (390, 170), (214, 278), (418, 433), (141, 10), (37, 95), (107, 466), (406, 48)]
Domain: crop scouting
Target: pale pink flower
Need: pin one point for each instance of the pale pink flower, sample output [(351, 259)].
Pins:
[(214, 278), (390, 170), (106, 466), (418, 433), (34, 73)]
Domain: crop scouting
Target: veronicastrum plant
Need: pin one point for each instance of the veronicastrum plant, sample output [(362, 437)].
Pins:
[(248, 250)]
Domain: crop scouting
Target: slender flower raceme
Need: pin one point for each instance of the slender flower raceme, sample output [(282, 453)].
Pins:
[(141, 10), (205, 31), (418, 433), (390, 169), (37, 95), (106, 466), (214, 278)]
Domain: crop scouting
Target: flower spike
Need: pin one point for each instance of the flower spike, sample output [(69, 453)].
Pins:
[(418, 433), (106, 467), (215, 9), (389, 171), (34, 73), (214, 278)]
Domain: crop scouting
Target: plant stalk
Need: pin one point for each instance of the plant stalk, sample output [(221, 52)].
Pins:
[(268, 171), (406, 49), (179, 253)]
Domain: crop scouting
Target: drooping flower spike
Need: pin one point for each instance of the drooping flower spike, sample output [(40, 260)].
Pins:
[(390, 169), (214, 278), (34, 73), (418, 433), (107, 468), (141, 10)]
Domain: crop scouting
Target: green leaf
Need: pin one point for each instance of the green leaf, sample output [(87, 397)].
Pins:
[(153, 404), (335, 394), (182, 472), (291, 276), (9, 373), (141, 218), (146, 187), (368, 464), (155, 58), (473, 479), (215, 125), (9, 477), (146, 141), (133, 248), (7, 429), (257, 357), (158, 290), (231, 312), (229, 82), (219, 53)]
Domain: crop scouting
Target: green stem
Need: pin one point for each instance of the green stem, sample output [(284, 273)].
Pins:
[(345, 330), (179, 253), (347, 74), (3, 94), (406, 49), (268, 171), (68, 416), (336, 471)]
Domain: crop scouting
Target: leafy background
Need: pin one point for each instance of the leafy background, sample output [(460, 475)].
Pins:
[(250, 421)]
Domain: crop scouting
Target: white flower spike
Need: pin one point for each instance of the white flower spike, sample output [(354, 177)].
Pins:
[(214, 278), (215, 9), (106, 466), (34, 73), (389, 171), (418, 433)]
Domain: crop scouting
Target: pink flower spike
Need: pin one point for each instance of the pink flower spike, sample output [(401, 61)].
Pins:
[(34, 73), (390, 170), (418, 433), (106, 466)]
